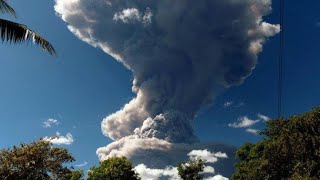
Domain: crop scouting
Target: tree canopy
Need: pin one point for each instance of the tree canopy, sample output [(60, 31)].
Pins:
[(74, 175), (35, 161), (116, 168), (290, 150), (191, 170), (13, 32)]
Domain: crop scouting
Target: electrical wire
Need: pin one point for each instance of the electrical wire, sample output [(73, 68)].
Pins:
[(281, 57)]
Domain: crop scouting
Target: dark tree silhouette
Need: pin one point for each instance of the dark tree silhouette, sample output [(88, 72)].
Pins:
[(191, 170), (35, 161), (290, 150), (113, 169), (13, 32)]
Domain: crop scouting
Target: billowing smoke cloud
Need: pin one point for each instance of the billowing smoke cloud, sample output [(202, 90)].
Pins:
[(158, 153), (181, 53)]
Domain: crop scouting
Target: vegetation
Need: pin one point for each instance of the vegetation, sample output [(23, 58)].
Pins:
[(290, 150), (113, 169), (191, 170), (38, 160), (13, 32), (74, 175)]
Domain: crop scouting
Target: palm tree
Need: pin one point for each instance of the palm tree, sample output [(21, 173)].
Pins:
[(16, 33)]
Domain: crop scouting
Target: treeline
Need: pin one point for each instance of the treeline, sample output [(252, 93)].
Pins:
[(290, 149), (40, 161)]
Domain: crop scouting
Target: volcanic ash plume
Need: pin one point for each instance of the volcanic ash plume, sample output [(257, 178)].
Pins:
[(181, 54)]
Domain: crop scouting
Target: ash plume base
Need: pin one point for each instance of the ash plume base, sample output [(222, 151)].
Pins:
[(160, 154)]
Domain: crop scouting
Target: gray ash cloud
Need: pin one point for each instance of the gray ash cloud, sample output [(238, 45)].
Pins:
[(181, 54)]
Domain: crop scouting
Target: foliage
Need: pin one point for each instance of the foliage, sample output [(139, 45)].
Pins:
[(113, 169), (290, 150), (34, 161), (191, 170), (16, 33), (6, 8), (74, 175)]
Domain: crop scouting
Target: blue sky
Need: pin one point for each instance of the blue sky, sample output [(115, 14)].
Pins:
[(83, 84)]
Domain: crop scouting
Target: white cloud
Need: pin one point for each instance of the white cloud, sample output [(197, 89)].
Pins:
[(50, 122), (208, 169), (81, 165), (207, 155), (243, 122), (171, 173), (217, 177), (147, 18), (228, 104), (252, 131), (264, 117), (60, 140), (154, 174)]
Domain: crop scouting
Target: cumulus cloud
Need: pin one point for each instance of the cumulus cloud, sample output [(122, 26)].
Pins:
[(155, 174), (206, 155), (228, 104), (252, 131), (171, 172), (217, 177), (181, 54), (50, 122), (208, 170), (82, 164), (59, 139), (243, 122), (264, 117)]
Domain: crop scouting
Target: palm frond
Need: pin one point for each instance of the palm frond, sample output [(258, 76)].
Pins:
[(6, 8), (17, 33)]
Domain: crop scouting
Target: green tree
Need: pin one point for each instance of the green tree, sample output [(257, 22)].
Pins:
[(113, 169), (35, 161), (191, 170), (289, 150), (74, 175), (13, 32)]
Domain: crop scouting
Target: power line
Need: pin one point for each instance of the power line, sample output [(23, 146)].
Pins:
[(281, 57)]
